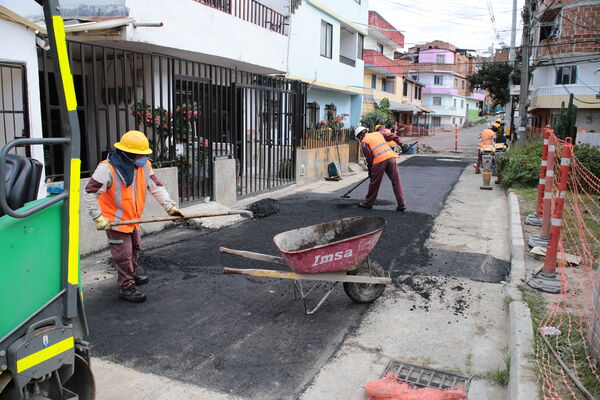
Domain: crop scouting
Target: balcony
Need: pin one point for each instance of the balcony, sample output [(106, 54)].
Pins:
[(553, 96), (347, 61), (251, 11), (440, 90)]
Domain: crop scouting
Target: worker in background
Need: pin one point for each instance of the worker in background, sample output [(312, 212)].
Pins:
[(499, 125), (117, 192), (485, 138), (381, 159)]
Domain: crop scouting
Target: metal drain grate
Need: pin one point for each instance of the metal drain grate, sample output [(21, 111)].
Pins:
[(425, 377)]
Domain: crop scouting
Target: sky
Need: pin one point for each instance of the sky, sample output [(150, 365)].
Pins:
[(464, 23)]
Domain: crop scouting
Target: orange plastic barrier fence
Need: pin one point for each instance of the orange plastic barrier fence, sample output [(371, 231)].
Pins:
[(390, 388)]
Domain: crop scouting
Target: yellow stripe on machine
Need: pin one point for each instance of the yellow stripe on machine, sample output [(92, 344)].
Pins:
[(43, 355), (73, 254), (63, 60)]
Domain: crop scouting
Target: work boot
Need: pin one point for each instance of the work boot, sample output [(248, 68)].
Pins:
[(401, 208), (141, 279), (365, 205), (132, 295)]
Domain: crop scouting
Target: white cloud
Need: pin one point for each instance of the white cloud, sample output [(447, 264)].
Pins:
[(464, 23)]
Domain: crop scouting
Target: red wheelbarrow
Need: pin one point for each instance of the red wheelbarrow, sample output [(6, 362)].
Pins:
[(332, 252)]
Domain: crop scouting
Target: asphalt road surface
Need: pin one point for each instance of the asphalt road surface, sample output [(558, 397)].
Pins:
[(248, 336)]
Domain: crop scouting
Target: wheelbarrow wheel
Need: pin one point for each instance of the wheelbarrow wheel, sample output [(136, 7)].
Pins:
[(365, 292)]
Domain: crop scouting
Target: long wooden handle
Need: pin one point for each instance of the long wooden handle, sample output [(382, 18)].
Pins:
[(232, 271), (163, 219), (254, 256)]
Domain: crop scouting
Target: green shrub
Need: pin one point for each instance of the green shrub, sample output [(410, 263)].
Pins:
[(520, 166), (381, 115), (589, 156)]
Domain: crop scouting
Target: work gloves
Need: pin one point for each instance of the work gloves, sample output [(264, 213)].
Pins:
[(175, 212), (102, 224)]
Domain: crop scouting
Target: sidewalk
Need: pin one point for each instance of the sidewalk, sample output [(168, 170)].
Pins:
[(448, 323)]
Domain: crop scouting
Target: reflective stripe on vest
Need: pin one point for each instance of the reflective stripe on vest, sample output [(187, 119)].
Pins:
[(121, 203), (486, 138), (380, 150)]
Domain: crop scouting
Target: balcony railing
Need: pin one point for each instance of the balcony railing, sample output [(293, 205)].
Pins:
[(347, 61), (251, 11)]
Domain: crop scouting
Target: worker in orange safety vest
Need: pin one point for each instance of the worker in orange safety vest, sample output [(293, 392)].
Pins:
[(117, 192), (381, 159), (486, 138)]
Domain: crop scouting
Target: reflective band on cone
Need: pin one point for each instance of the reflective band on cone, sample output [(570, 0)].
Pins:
[(556, 222)]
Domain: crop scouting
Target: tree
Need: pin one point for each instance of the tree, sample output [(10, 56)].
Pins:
[(381, 115), (493, 77)]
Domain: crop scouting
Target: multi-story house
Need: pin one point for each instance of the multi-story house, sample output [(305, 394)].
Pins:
[(203, 79), (326, 51), (443, 68), (384, 77), (565, 53)]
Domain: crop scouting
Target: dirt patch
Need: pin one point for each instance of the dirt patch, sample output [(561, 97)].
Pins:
[(424, 290), (263, 208)]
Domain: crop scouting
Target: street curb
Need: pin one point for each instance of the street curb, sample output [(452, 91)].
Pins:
[(522, 384)]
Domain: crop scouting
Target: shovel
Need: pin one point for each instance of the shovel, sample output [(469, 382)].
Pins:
[(245, 213)]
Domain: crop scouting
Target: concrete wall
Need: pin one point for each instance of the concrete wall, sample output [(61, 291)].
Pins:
[(224, 182), (342, 101), (21, 49), (588, 120), (430, 56), (92, 240), (243, 41), (311, 164)]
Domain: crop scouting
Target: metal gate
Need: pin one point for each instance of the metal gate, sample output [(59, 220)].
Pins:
[(193, 114)]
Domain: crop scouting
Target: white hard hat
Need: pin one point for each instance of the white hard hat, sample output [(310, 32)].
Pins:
[(359, 130)]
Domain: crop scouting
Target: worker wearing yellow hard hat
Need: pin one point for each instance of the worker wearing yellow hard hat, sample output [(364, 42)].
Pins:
[(117, 192)]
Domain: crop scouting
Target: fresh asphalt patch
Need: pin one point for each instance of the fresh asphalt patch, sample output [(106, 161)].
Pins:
[(248, 336)]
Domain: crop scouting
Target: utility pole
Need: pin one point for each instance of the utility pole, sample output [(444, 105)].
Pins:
[(525, 52), (511, 61)]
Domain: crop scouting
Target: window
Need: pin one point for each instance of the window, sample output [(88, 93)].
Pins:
[(415, 78), (438, 79), (453, 119), (14, 117), (384, 84), (462, 103), (437, 101), (456, 83), (462, 84), (312, 115), (566, 75), (436, 121), (440, 58), (380, 47), (326, 39), (405, 89), (458, 62), (330, 112), (550, 24), (418, 90), (361, 43), (454, 102), (373, 81)]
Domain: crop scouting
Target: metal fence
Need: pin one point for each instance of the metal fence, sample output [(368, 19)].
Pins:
[(315, 138), (192, 113), (14, 118), (251, 11)]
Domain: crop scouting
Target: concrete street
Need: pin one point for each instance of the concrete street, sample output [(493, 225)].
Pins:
[(202, 334)]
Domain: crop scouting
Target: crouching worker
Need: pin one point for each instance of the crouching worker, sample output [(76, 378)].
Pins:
[(381, 159), (117, 192), (486, 138)]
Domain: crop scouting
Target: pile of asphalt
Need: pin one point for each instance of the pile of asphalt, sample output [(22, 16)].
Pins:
[(263, 208)]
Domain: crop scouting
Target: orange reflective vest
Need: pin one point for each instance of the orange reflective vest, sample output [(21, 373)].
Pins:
[(380, 150), (121, 203), (486, 138)]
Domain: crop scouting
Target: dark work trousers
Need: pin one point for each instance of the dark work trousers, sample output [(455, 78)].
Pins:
[(390, 168), (125, 250)]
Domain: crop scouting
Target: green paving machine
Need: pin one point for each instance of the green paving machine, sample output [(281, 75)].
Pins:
[(43, 352)]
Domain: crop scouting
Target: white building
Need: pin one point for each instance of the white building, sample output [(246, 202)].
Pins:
[(326, 41)]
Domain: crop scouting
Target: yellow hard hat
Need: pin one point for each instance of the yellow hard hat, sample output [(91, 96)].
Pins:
[(496, 125), (499, 120), (134, 142), (377, 127)]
